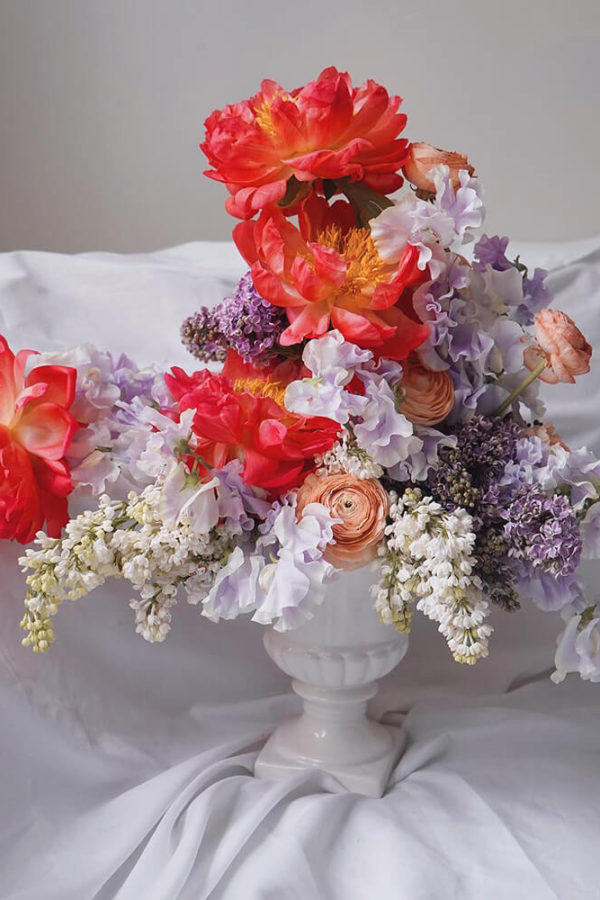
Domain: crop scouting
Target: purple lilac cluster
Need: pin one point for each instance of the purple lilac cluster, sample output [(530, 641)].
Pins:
[(468, 475), (543, 531), (245, 322), (516, 523), (200, 335)]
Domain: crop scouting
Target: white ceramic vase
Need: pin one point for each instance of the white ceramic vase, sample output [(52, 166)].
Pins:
[(335, 661)]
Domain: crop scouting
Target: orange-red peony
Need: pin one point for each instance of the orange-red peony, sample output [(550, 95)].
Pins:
[(332, 277), (561, 344), (361, 505), (326, 129), (428, 396), (240, 415), (423, 157), (36, 429)]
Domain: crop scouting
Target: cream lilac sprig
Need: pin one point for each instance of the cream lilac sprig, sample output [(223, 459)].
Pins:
[(427, 556), (121, 539)]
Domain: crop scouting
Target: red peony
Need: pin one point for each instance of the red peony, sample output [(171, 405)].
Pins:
[(326, 129), (36, 429), (239, 414), (331, 275)]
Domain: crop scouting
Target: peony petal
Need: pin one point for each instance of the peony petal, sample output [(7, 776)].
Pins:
[(60, 382), (28, 394), (309, 321), (46, 430), (271, 433), (8, 389)]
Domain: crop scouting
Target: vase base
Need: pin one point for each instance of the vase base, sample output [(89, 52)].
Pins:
[(369, 778)]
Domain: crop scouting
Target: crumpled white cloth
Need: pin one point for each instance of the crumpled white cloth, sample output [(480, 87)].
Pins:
[(125, 768)]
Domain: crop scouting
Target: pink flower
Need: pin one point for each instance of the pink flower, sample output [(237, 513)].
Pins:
[(36, 430), (359, 504), (561, 344)]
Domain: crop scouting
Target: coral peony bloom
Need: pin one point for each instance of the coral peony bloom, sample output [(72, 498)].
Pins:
[(423, 157), (428, 396), (239, 414), (326, 129), (361, 505), (561, 344), (335, 278), (36, 430)]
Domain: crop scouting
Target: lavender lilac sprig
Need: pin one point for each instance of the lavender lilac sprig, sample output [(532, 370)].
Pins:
[(245, 322), (543, 531)]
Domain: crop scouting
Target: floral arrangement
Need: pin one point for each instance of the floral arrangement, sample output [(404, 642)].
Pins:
[(368, 395)]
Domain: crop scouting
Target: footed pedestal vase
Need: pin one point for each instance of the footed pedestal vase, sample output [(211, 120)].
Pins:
[(335, 660)]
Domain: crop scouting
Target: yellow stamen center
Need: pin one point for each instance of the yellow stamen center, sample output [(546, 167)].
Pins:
[(365, 268), (264, 115), (260, 387)]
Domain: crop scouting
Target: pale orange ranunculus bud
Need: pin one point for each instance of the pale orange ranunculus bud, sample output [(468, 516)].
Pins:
[(423, 157), (428, 395)]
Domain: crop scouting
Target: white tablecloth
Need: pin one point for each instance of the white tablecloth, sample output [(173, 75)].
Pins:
[(126, 768)]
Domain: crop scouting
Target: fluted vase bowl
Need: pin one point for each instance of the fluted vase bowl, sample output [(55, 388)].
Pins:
[(334, 661)]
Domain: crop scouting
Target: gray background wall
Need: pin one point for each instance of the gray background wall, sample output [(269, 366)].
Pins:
[(102, 104)]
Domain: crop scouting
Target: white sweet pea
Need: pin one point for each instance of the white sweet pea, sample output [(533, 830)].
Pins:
[(197, 502), (235, 587), (332, 361), (293, 582), (446, 221), (590, 532), (333, 356), (384, 433), (578, 650)]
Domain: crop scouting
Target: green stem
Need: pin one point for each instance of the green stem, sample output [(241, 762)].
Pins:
[(366, 203), (520, 388)]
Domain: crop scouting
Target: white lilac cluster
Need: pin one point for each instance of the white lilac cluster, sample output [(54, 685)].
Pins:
[(121, 539), (182, 532), (347, 456), (427, 557)]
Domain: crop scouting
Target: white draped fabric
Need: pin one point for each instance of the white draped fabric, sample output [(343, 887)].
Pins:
[(126, 768)]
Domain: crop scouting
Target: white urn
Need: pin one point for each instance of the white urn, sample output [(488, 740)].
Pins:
[(335, 660)]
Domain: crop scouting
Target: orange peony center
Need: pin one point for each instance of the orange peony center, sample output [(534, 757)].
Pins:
[(364, 266), (263, 114), (261, 387)]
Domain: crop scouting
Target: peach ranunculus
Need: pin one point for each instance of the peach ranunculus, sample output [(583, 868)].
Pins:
[(327, 129), (561, 344), (546, 432), (423, 157), (334, 278), (361, 505), (427, 397)]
